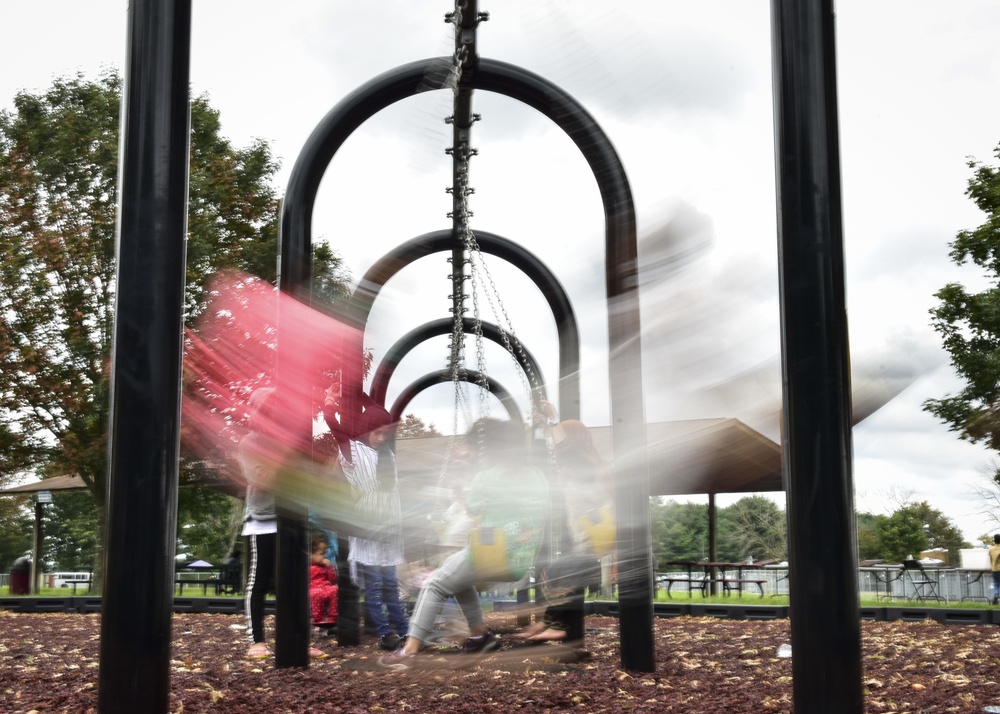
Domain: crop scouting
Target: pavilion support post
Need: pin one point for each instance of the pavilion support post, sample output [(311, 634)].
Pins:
[(713, 539), (141, 503), (823, 576), (35, 586)]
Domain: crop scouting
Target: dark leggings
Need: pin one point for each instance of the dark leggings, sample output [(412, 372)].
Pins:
[(260, 579)]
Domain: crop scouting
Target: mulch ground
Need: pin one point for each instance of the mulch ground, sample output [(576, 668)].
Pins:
[(49, 663)]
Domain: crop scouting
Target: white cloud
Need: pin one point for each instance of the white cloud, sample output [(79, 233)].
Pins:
[(684, 92)]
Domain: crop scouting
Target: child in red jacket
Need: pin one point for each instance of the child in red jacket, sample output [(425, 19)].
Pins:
[(322, 585)]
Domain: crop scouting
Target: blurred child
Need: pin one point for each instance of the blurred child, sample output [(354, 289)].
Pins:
[(369, 465), (582, 528), (511, 499), (322, 586)]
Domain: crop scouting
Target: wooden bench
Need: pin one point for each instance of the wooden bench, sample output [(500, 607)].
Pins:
[(730, 584), (179, 584), (77, 583)]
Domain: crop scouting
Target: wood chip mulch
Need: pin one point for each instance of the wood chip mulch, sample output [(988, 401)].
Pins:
[(49, 663)]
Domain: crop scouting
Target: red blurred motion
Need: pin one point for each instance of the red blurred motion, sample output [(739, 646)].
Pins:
[(248, 333)]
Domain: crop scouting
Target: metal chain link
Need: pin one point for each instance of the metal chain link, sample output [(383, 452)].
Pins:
[(526, 373), (461, 216)]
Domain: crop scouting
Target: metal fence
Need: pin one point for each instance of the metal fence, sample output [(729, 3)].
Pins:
[(886, 583)]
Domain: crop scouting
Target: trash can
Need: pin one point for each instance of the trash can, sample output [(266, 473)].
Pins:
[(20, 576)]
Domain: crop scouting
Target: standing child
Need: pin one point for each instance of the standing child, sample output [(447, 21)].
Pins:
[(322, 585), (260, 454), (370, 468), (258, 460)]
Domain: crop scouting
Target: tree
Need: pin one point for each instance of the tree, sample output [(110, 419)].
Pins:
[(754, 527), (58, 194), (208, 523), (969, 323), (71, 532), (910, 530), (15, 529), (942, 533), (900, 536), (868, 542), (413, 427), (987, 489), (680, 531)]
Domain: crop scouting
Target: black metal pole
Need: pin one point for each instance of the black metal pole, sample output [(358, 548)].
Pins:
[(713, 550), (291, 597), (291, 606), (146, 361), (823, 576), (35, 587)]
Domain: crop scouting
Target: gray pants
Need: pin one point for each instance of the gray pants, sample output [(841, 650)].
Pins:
[(454, 578)]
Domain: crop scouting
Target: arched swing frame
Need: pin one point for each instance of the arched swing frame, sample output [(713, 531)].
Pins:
[(621, 277), (436, 328)]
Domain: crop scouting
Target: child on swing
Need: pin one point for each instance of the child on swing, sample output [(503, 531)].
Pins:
[(511, 497), (582, 530)]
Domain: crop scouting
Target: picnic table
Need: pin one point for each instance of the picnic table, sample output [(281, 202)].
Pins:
[(702, 574), (974, 576), (885, 574), (918, 580), (75, 583), (180, 582)]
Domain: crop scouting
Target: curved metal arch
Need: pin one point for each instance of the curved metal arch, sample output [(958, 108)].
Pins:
[(628, 429), (491, 75), (567, 329), (443, 376), (394, 355)]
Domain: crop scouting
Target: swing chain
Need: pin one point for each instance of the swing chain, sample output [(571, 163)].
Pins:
[(526, 374), (460, 215)]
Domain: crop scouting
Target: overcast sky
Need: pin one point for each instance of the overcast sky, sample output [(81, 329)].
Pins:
[(684, 92)]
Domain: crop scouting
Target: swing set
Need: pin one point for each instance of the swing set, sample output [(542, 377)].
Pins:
[(134, 674), (462, 74)]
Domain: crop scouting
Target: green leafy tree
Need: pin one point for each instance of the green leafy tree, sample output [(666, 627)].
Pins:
[(911, 529), (900, 535), (15, 529), (208, 523), (969, 322), (71, 528), (941, 531), (413, 427), (868, 542), (680, 532), (58, 194), (753, 527)]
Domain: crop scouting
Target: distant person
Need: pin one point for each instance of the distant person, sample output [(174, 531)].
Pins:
[(511, 499), (995, 566), (369, 465), (322, 587), (231, 572)]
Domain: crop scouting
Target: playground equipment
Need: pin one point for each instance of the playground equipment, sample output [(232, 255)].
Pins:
[(135, 629), (464, 73)]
